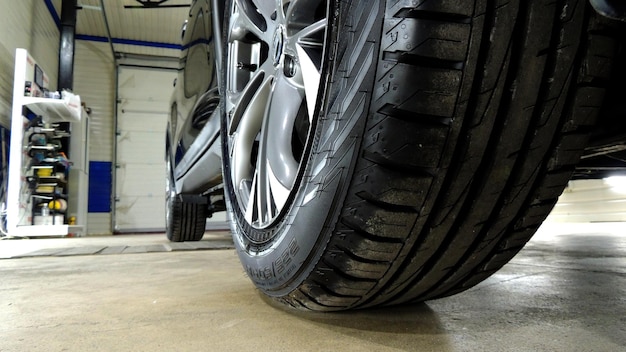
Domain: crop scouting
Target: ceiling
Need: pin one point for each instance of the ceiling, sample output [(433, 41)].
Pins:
[(135, 31)]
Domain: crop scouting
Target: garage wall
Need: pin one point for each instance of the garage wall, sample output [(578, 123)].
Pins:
[(94, 81), (33, 25), (25, 24), (592, 201), (30, 24)]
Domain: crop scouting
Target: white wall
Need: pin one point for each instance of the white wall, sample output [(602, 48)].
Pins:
[(94, 81), (592, 201), (25, 24)]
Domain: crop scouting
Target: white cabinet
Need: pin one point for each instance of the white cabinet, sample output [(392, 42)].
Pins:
[(47, 193)]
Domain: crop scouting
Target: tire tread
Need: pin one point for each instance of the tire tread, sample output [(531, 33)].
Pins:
[(424, 180)]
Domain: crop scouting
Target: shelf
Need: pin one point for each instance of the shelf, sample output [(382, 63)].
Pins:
[(40, 197), (55, 110), (33, 181), (44, 147), (40, 230), (52, 180), (50, 195)]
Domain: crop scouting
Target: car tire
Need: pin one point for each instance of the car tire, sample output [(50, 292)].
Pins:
[(442, 134), (184, 221)]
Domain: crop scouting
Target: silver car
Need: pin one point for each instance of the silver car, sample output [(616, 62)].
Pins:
[(382, 152)]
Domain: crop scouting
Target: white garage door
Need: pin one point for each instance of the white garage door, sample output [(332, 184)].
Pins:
[(142, 110)]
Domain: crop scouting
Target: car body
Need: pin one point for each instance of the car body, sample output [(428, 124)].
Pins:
[(193, 126)]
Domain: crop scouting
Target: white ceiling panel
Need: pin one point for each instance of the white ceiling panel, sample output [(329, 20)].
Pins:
[(145, 31)]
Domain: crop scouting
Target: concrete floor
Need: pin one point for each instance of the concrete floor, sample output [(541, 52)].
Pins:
[(565, 292)]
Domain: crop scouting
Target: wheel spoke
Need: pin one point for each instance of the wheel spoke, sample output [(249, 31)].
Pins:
[(276, 146), (279, 192), (309, 48), (251, 209), (266, 8), (311, 78), (240, 101), (260, 206), (247, 131), (298, 9), (246, 20), (263, 197), (306, 35)]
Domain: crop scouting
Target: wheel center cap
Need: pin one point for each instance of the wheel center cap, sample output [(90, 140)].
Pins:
[(278, 43)]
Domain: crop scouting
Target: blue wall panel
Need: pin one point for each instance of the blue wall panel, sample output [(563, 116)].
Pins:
[(100, 186)]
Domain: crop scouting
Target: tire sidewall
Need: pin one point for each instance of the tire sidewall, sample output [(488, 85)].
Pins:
[(298, 239)]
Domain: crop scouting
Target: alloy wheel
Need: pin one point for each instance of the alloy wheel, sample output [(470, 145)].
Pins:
[(274, 68)]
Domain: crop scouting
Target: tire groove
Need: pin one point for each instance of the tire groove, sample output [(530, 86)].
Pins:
[(313, 299), (345, 275), (368, 197), (422, 61), (433, 16), (350, 254), (397, 166), (361, 232), (409, 116), (329, 291)]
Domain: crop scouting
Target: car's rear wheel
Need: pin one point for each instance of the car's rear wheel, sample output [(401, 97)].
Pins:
[(381, 152), (184, 221)]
